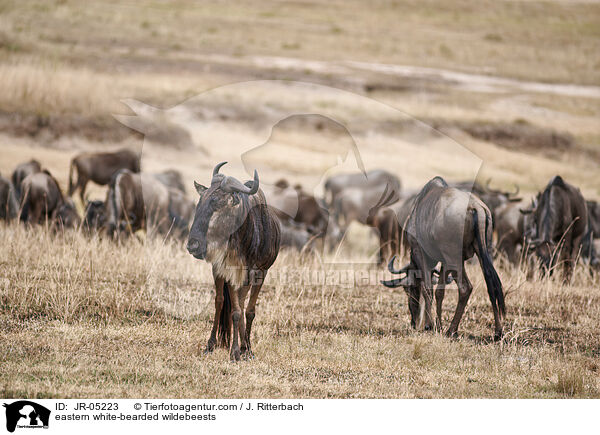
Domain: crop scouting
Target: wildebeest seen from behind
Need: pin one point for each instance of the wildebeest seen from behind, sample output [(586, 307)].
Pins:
[(588, 250), (449, 226), (559, 223), (42, 200), (22, 171), (9, 203), (99, 168), (239, 235), (181, 213), (136, 201), (171, 178)]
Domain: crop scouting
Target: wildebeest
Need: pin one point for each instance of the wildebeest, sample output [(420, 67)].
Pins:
[(294, 203), (181, 213), (42, 200), (99, 168), (239, 235), (389, 222), (374, 178), (171, 178), (65, 216), (449, 226), (296, 236), (94, 216), (558, 225), (23, 170), (588, 248), (510, 229), (492, 198), (136, 201), (359, 203), (9, 203)]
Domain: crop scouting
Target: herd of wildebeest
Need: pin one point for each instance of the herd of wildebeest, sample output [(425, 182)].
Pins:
[(240, 227)]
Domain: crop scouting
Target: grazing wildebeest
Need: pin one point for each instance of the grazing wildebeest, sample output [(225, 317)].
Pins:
[(94, 216), (492, 198), (390, 222), (65, 216), (449, 226), (510, 229), (559, 223), (9, 203), (23, 170), (99, 168), (239, 235), (41, 199), (136, 201), (374, 178), (588, 248), (171, 178), (296, 236)]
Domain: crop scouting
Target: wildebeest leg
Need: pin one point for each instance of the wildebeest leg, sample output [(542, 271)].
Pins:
[(464, 292), (250, 314), (82, 181), (243, 292), (572, 253), (212, 341), (234, 354), (424, 266), (440, 292)]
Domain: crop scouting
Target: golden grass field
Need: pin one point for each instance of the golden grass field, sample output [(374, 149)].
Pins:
[(84, 317)]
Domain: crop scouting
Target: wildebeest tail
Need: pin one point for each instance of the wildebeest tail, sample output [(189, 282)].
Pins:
[(71, 177), (492, 280), (24, 205), (224, 331)]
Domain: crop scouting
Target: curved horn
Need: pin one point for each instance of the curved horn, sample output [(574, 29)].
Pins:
[(391, 267), (392, 283), (230, 184), (517, 190), (216, 169)]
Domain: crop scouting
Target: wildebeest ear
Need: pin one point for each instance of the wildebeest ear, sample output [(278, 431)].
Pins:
[(199, 188)]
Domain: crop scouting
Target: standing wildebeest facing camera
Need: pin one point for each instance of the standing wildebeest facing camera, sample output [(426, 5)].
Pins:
[(22, 171), (235, 231), (448, 225), (558, 225), (100, 167)]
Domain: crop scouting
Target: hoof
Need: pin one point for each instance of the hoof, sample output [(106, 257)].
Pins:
[(234, 355), (210, 346), (498, 336), (451, 334)]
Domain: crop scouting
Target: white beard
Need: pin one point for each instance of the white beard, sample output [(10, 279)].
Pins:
[(226, 264)]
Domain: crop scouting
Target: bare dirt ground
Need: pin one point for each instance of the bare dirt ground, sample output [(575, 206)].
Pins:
[(507, 90)]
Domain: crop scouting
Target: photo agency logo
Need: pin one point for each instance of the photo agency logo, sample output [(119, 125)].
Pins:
[(25, 414), (332, 165)]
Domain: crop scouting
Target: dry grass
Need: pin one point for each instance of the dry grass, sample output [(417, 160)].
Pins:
[(86, 318)]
